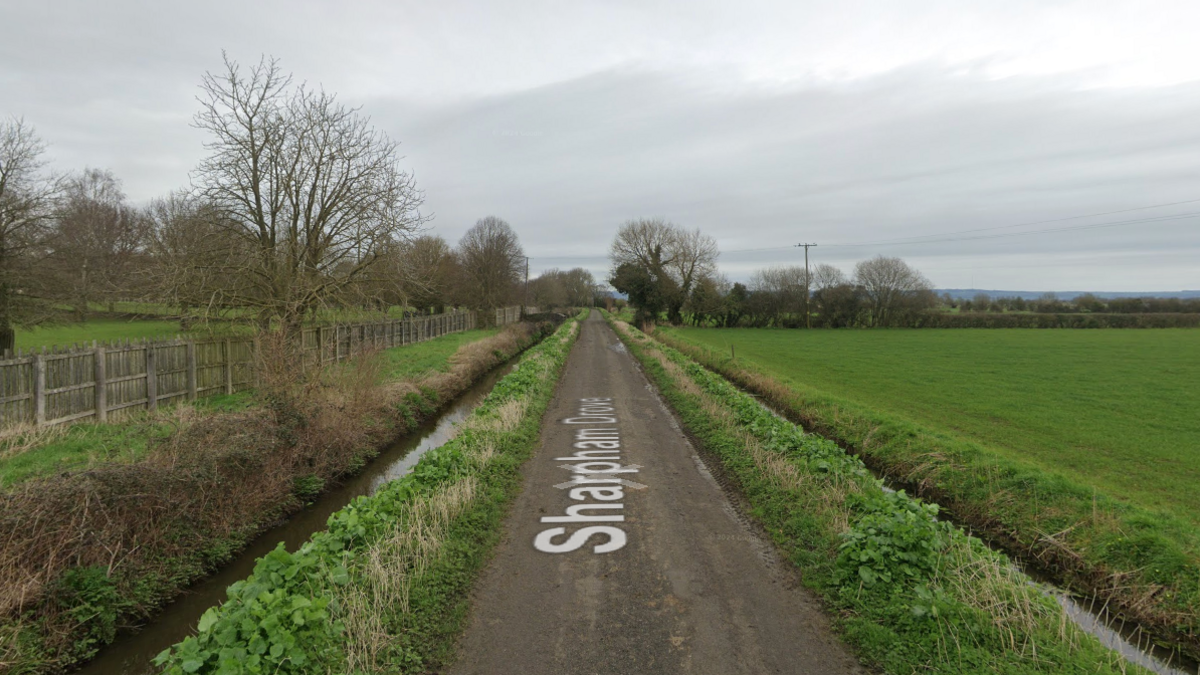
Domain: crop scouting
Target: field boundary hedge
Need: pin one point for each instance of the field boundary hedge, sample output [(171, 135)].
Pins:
[(384, 588), (910, 592), (1145, 565), (1043, 320)]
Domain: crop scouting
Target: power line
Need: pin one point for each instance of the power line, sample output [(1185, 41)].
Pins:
[(807, 314)]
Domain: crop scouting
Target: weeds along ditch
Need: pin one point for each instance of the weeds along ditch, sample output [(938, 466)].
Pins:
[(134, 654), (385, 587), (88, 552), (911, 592), (1143, 566)]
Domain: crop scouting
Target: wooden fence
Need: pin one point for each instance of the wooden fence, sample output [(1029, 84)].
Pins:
[(68, 384), (507, 315)]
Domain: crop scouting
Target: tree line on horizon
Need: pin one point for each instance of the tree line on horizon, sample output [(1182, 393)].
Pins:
[(299, 205), (670, 273)]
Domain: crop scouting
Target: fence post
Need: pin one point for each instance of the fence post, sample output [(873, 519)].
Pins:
[(320, 348), (101, 396), (228, 366), (256, 358), (191, 370), (151, 380), (39, 389)]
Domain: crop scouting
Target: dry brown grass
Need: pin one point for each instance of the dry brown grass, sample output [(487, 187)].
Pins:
[(24, 437), (474, 359), (504, 418), (388, 570), (826, 494), (1001, 591)]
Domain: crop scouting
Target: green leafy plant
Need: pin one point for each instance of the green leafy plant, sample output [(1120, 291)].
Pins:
[(894, 542)]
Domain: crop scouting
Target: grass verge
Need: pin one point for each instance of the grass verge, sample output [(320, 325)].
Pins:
[(384, 588), (911, 593), (87, 552), (1144, 563)]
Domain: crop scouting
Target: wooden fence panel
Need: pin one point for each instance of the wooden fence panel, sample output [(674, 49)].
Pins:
[(171, 371), (64, 385), (70, 386), (125, 370), (16, 392), (210, 367)]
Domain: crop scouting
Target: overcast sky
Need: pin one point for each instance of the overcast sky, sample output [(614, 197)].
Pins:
[(868, 127)]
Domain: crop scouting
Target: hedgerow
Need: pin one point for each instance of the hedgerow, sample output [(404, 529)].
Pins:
[(384, 586), (910, 592)]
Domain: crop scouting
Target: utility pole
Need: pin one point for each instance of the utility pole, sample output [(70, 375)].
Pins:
[(807, 314), (525, 302)]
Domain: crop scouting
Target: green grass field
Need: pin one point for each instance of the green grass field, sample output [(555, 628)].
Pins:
[(413, 361), (1115, 409), (107, 329), (99, 330)]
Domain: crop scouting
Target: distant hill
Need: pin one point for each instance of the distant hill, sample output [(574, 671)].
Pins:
[(968, 293)]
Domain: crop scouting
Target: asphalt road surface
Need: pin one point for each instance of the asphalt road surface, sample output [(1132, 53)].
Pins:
[(623, 555)]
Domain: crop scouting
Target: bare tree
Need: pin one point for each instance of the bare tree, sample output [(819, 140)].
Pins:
[(673, 258), (779, 291), (97, 241), (308, 186), (548, 290), (27, 200), (427, 272), (492, 264), (555, 288), (580, 287), (826, 276), (694, 256), (189, 252), (891, 287)]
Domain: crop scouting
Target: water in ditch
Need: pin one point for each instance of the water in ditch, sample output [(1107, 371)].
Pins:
[(1091, 615), (132, 654)]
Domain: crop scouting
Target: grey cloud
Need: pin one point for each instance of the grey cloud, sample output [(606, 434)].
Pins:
[(916, 152), (921, 149)]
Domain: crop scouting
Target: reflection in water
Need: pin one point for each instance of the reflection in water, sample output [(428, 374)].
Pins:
[(132, 654), (1130, 641)]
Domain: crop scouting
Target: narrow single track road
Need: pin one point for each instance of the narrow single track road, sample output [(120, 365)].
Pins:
[(623, 555)]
